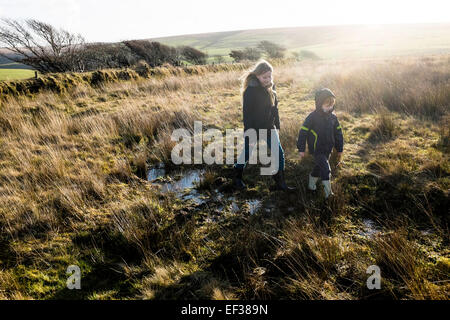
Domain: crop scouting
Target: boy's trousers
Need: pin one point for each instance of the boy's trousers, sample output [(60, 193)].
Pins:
[(322, 166)]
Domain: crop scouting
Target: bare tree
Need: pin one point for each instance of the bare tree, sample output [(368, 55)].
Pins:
[(193, 55), (251, 54), (41, 46), (219, 59), (107, 55), (154, 53), (237, 55), (272, 49)]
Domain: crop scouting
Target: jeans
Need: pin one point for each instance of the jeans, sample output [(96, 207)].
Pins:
[(246, 153)]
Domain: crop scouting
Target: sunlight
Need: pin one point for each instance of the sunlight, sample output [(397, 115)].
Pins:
[(137, 19)]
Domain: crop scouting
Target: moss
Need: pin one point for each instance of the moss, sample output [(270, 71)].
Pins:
[(35, 282), (443, 265)]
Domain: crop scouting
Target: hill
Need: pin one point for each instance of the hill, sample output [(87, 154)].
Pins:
[(352, 41), (328, 42), (6, 63), (10, 70)]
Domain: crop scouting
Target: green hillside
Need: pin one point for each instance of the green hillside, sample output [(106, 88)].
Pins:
[(329, 41), (15, 74), (10, 70)]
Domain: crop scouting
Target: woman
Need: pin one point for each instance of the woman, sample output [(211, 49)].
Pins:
[(260, 108)]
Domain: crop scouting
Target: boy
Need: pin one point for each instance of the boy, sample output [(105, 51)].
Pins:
[(322, 131)]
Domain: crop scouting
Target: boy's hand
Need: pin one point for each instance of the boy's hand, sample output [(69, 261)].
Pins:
[(302, 154)]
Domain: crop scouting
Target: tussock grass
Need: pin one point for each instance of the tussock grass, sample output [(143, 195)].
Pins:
[(411, 87), (73, 189), (384, 129), (61, 82)]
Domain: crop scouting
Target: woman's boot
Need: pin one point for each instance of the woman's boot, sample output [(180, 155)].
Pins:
[(280, 183), (237, 180)]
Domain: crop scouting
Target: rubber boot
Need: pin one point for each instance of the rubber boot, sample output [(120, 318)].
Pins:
[(237, 180), (312, 183), (327, 188), (280, 183)]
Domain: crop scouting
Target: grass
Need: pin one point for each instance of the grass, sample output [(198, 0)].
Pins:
[(73, 190), (15, 74), (61, 82)]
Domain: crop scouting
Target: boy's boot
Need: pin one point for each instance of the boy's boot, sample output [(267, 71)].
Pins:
[(237, 180), (312, 182), (280, 183), (327, 188)]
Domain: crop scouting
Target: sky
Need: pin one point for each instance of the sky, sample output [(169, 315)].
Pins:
[(113, 20)]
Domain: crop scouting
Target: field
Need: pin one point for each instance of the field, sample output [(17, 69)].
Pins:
[(10, 70), (329, 42), (75, 171), (14, 71), (15, 74)]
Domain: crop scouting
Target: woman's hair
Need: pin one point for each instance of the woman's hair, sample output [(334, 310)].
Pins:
[(261, 67)]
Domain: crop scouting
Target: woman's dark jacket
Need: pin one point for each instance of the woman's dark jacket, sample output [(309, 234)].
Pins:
[(259, 113), (321, 130)]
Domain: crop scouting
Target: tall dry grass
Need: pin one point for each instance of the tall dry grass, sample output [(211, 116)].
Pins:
[(410, 86), (73, 166)]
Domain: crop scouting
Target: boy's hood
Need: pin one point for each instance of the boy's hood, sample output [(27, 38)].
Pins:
[(320, 97)]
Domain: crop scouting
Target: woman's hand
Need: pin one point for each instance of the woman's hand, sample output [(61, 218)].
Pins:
[(339, 157)]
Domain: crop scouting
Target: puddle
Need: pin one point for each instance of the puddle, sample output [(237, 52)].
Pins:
[(252, 205), (370, 228), (195, 197), (156, 172), (234, 207), (183, 184), (178, 181), (426, 232), (188, 181)]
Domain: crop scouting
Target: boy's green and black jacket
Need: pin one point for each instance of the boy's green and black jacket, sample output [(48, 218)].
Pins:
[(321, 130)]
